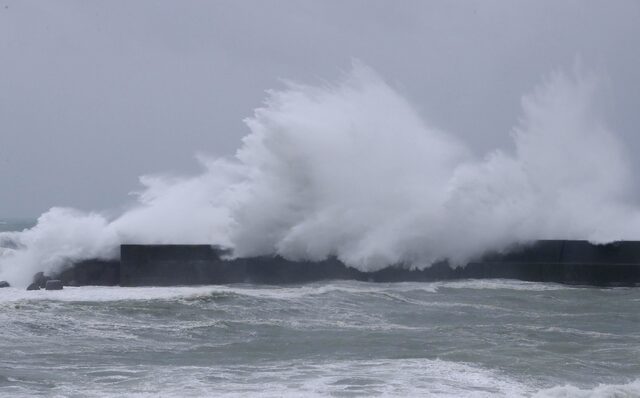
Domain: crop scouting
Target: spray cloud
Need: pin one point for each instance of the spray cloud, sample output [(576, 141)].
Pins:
[(352, 170)]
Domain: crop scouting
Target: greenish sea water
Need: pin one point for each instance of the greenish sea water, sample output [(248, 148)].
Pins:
[(490, 338)]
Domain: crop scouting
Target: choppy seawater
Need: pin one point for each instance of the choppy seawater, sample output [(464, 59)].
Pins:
[(464, 338)]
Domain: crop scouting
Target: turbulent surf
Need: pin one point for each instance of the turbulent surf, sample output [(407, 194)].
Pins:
[(487, 338)]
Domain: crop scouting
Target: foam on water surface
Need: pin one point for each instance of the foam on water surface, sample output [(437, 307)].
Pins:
[(116, 293), (446, 339)]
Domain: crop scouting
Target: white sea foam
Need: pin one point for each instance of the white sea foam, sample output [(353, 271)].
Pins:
[(629, 390), (116, 293), (104, 294), (384, 377), (352, 170), (500, 284)]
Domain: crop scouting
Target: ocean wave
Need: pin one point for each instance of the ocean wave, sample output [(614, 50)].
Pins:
[(390, 291), (384, 377), (629, 390)]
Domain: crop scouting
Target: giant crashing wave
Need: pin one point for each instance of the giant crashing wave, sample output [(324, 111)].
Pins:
[(351, 170)]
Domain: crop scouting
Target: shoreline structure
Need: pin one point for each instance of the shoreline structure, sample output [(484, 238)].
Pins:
[(561, 261)]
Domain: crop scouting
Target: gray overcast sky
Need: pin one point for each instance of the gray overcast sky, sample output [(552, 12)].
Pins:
[(95, 93)]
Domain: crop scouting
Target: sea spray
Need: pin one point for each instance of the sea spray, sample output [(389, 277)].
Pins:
[(352, 170)]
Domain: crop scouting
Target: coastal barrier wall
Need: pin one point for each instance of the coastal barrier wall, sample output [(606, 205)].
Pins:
[(562, 261)]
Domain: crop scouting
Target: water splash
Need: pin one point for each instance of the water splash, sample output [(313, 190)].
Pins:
[(352, 170)]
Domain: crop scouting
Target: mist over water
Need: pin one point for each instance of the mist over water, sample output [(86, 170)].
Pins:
[(352, 170)]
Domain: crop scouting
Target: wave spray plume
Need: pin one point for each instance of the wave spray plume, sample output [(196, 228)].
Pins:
[(352, 170)]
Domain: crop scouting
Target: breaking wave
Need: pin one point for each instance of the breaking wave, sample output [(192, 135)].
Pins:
[(352, 170)]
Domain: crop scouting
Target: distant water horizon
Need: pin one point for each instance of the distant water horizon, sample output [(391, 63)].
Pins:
[(8, 224)]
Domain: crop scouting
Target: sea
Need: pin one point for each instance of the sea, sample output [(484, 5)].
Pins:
[(468, 338)]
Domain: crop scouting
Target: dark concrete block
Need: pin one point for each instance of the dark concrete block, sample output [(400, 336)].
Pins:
[(91, 272), (541, 251), (572, 262), (170, 265), (582, 252), (53, 284)]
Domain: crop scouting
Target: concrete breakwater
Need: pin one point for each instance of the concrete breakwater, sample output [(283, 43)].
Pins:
[(561, 261)]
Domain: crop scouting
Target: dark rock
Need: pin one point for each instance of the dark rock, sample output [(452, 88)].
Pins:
[(37, 277), (40, 279), (53, 284), (4, 284), (33, 286)]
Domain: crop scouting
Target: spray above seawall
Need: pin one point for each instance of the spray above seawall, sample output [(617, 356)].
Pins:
[(351, 170)]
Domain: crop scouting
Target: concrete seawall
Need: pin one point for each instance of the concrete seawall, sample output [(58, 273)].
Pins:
[(561, 261)]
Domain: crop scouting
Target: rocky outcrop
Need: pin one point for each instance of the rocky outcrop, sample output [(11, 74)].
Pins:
[(40, 280), (4, 284)]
